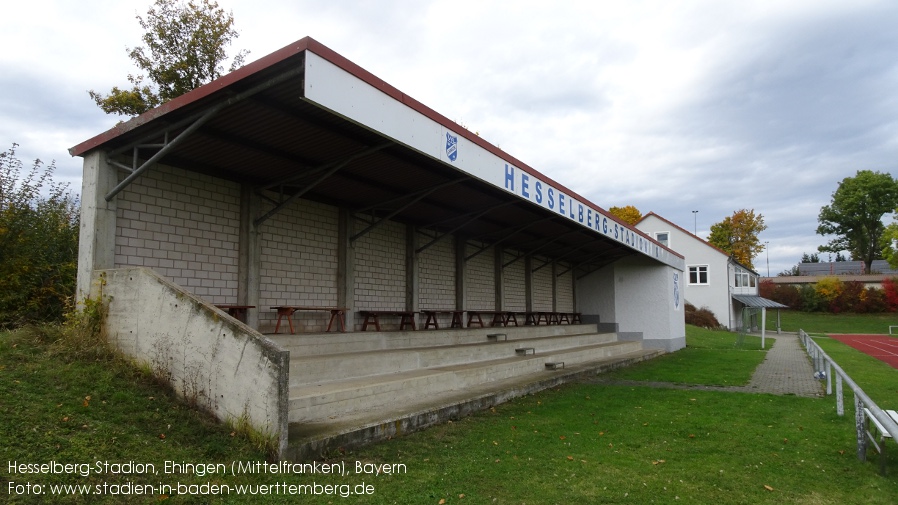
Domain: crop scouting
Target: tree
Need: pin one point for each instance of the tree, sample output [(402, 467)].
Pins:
[(855, 215), (628, 214), (184, 49), (737, 235), (38, 243)]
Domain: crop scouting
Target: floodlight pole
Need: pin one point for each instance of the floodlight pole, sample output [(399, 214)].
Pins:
[(695, 223)]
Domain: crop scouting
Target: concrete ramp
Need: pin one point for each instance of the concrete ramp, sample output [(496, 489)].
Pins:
[(348, 389)]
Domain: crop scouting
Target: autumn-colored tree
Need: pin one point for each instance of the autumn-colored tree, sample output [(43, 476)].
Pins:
[(628, 214), (737, 235), (185, 48)]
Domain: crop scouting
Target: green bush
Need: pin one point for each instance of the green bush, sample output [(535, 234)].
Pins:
[(38, 243)]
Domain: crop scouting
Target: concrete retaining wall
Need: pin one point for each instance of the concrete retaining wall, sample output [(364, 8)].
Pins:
[(212, 360)]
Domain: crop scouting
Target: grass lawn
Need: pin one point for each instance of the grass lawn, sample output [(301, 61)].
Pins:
[(876, 378), (713, 358), (819, 322), (582, 443)]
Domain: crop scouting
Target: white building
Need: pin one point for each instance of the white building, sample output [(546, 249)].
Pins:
[(714, 280)]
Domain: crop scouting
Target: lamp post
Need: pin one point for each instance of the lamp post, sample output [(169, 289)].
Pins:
[(767, 249), (695, 222)]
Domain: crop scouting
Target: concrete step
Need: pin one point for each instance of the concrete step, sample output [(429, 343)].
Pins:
[(316, 438), (332, 399), (310, 344), (338, 366)]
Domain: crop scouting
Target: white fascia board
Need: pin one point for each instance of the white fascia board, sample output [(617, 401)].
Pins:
[(337, 90)]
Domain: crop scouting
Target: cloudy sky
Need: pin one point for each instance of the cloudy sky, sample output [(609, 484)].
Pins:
[(671, 106)]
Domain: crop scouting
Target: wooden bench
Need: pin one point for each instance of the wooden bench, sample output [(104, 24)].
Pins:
[(407, 318), (523, 351), (337, 313), (551, 317), (878, 435), (238, 312), (500, 317), (432, 318)]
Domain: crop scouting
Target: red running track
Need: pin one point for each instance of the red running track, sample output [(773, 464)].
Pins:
[(881, 347)]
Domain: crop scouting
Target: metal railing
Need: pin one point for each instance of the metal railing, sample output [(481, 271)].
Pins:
[(823, 363)]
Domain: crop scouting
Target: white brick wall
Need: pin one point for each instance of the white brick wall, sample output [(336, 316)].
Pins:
[(299, 263), (436, 274), (515, 288), (380, 269), (565, 289), (542, 285), (480, 279), (184, 226)]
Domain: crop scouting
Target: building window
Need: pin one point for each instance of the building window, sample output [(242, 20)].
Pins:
[(698, 274), (741, 279), (663, 237)]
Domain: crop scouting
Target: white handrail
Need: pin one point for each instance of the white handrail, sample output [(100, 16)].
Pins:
[(861, 400)]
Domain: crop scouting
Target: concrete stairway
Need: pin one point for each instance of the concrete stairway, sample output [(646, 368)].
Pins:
[(351, 388)]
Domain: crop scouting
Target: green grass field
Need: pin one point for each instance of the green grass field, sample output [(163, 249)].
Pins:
[(582, 443), (818, 322)]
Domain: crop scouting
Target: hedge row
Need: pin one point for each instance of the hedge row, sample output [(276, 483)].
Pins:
[(832, 294)]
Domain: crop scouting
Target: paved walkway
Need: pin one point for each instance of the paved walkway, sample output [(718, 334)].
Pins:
[(786, 370)]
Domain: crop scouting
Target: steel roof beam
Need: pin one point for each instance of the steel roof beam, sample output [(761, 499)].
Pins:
[(420, 196), (195, 122), (334, 168), (475, 217)]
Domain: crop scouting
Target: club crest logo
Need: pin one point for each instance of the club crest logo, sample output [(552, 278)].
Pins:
[(451, 147), (676, 290)]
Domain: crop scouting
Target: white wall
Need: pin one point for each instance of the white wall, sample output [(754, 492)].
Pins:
[(642, 297), (714, 296)]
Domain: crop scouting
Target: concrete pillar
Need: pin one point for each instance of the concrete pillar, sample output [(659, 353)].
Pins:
[(499, 256), (346, 266), (96, 249), (412, 282), (250, 255), (528, 283), (461, 299), (555, 287)]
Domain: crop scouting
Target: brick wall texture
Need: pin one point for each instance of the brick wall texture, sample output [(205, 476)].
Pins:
[(186, 227), (183, 225)]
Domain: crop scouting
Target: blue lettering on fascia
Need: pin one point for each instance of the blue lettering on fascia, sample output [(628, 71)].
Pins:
[(582, 214)]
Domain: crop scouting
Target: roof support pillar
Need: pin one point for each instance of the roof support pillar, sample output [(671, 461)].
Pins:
[(98, 215), (499, 256), (346, 266), (250, 254), (528, 283), (411, 269), (555, 286), (461, 301)]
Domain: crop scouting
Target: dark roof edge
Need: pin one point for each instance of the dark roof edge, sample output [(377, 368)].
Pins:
[(196, 94), (308, 43)]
